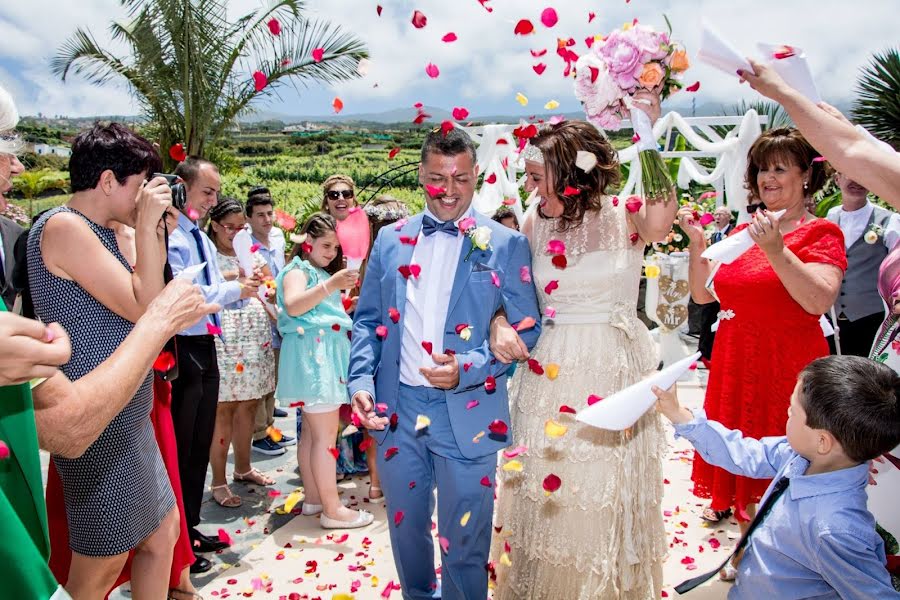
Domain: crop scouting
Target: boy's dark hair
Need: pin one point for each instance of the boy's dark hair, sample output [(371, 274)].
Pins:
[(456, 141), (189, 168), (258, 196), (504, 212), (854, 399), (111, 147)]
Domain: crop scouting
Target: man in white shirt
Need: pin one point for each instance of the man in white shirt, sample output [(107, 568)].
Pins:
[(423, 378), (870, 232)]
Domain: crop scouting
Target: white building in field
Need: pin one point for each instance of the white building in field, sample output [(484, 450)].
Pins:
[(44, 149)]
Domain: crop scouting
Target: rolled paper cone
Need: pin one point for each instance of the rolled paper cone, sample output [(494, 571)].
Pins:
[(190, 273), (825, 324), (242, 244), (793, 69), (718, 53), (732, 247), (622, 410), (883, 496), (354, 263)]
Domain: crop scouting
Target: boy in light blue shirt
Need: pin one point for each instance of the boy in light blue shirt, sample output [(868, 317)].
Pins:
[(817, 539)]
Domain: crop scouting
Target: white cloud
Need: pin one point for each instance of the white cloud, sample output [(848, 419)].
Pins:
[(486, 66)]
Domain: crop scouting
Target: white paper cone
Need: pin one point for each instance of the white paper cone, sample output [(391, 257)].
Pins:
[(883, 496), (825, 324), (241, 244), (793, 69), (353, 263), (623, 409), (718, 53), (729, 249), (190, 273)]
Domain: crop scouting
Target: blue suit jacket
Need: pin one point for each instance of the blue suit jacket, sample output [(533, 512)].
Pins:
[(474, 299)]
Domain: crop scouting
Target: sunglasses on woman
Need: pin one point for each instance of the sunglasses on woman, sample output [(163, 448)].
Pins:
[(752, 208), (335, 194)]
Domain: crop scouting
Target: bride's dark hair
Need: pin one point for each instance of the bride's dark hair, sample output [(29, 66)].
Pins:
[(559, 144)]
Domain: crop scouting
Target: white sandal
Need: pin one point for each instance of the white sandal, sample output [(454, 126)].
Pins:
[(362, 519), (312, 510)]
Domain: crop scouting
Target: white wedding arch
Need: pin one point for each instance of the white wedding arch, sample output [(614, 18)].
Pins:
[(498, 158)]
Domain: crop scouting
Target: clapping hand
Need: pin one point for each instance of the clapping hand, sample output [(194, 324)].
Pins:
[(766, 233)]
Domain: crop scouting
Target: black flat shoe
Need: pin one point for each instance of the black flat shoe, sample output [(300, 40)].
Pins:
[(201, 565), (207, 543)]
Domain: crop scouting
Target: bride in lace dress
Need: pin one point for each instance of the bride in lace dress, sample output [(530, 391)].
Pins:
[(600, 534)]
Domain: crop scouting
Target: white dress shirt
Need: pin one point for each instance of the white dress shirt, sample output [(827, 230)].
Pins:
[(853, 224), (428, 300)]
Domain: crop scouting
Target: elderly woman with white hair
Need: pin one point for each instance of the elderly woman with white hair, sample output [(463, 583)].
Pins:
[(9, 168)]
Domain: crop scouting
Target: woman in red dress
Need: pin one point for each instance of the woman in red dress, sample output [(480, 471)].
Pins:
[(771, 300)]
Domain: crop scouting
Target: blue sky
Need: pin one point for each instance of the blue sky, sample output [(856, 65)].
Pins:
[(485, 68)]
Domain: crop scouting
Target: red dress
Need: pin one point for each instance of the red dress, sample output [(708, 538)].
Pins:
[(183, 556), (759, 352)]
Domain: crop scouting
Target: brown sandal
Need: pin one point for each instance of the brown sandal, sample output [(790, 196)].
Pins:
[(253, 476), (181, 594), (230, 501)]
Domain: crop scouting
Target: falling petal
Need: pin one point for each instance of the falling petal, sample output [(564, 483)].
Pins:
[(422, 422), (539, 68), (334, 452), (193, 215), (522, 99), (550, 312), (213, 329), (548, 289), (450, 37), (571, 191), (693, 87), (591, 16), (460, 113), (378, 10), (444, 543), (491, 179), (593, 399), (318, 54), (471, 404), (465, 519), (633, 204), (554, 430), (177, 152), (362, 67), (549, 17), (224, 537), (551, 105), (486, 481), (274, 26), (586, 161), (566, 409), (504, 560), (706, 219), (551, 483), (419, 20), (259, 80), (525, 274), (498, 427), (394, 314), (432, 70), (394, 152), (435, 191), (513, 466), (556, 247), (525, 324), (524, 27), (490, 384), (510, 454), (391, 452), (381, 331), (495, 279)]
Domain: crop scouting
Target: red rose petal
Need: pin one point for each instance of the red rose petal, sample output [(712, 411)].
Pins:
[(535, 367), (428, 347), (334, 452), (559, 261), (491, 179), (394, 152), (398, 517), (450, 37), (490, 384), (538, 53), (318, 54), (391, 452), (498, 427), (539, 68), (394, 314), (551, 483), (259, 80), (177, 153), (693, 87), (432, 70), (419, 20), (548, 289), (593, 399), (524, 27), (567, 409), (549, 17), (274, 27), (571, 191)]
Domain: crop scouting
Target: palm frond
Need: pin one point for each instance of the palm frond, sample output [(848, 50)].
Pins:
[(877, 106)]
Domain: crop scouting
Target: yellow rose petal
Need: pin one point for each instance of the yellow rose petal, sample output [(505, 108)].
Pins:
[(553, 430), (513, 466), (652, 271), (552, 105), (465, 519), (504, 560), (466, 334), (342, 597), (522, 99), (292, 500), (552, 371), (422, 422)]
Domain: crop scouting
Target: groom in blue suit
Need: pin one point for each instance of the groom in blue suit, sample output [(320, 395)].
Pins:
[(423, 378)]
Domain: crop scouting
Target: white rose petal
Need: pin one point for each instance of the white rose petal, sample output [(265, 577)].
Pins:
[(585, 161)]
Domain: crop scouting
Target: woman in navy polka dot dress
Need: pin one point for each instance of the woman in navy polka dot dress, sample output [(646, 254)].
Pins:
[(117, 494)]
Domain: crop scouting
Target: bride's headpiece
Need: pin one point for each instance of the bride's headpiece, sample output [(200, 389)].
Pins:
[(533, 153)]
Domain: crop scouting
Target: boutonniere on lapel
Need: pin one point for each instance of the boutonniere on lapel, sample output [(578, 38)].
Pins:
[(479, 236), (873, 233)]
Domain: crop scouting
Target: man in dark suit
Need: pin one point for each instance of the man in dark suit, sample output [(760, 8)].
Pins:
[(709, 312)]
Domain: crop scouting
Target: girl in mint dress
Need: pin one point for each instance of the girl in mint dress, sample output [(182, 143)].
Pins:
[(315, 356)]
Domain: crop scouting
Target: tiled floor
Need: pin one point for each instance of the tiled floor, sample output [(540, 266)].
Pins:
[(296, 559)]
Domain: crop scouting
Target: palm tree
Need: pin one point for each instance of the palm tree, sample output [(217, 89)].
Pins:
[(778, 117), (191, 68), (877, 106)]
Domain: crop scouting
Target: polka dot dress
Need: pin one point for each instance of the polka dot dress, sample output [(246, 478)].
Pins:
[(117, 493)]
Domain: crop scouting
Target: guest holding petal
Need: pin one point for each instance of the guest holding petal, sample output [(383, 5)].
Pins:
[(777, 291)]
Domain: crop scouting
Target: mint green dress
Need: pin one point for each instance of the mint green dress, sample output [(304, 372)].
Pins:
[(315, 351)]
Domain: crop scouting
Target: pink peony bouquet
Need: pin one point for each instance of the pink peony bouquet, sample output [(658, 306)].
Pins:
[(633, 58)]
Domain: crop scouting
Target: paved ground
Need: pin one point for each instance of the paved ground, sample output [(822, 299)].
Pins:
[(289, 557)]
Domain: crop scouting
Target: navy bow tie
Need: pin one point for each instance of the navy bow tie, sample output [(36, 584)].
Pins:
[(430, 226)]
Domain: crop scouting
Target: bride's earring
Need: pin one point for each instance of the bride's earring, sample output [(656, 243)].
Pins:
[(805, 186)]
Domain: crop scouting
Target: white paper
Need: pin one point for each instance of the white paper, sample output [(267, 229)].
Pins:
[(732, 247), (190, 273), (825, 324), (623, 409), (717, 52), (883, 496), (793, 69), (242, 244)]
